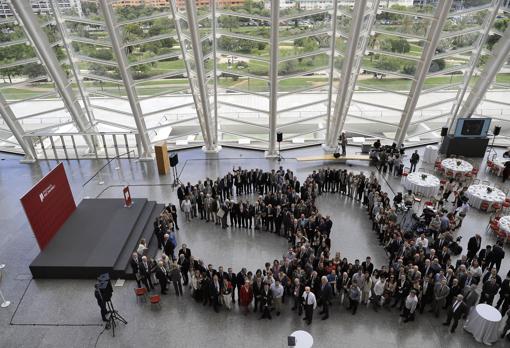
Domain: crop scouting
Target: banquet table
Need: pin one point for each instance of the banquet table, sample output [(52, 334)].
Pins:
[(478, 194), (303, 339), (428, 186), (500, 164), (504, 225), (450, 164), (483, 323), (430, 154)]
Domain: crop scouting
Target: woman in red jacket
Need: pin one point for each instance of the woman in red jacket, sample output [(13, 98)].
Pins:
[(246, 296)]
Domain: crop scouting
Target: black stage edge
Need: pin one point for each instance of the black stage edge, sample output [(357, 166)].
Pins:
[(467, 147), (98, 237)]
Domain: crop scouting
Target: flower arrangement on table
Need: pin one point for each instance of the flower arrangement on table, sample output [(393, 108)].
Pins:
[(459, 162), (489, 189), (424, 176)]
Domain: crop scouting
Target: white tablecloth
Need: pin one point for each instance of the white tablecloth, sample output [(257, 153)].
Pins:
[(451, 164), (504, 224), (483, 323), (478, 194), (303, 339), (428, 187), (500, 164), (430, 154)]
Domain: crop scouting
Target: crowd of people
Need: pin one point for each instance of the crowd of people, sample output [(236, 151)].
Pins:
[(419, 275)]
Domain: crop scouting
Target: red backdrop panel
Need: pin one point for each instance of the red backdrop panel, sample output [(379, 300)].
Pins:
[(48, 205)]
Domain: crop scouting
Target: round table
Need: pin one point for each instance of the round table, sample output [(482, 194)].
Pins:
[(450, 164), (430, 154), (504, 225), (478, 194), (500, 164), (428, 187), (303, 339), (483, 323)]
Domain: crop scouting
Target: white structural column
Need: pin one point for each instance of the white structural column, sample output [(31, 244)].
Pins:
[(273, 78), (334, 23), (197, 76), (337, 119), (122, 62), (17, 130), (30, 24), (429, 50), (67, 43), (494, 64), (475, 57)]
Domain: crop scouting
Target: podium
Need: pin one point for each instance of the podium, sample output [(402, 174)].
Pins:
[(162, 160)]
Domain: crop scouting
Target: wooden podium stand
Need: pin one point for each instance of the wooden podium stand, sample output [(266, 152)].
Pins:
[(162, 159)]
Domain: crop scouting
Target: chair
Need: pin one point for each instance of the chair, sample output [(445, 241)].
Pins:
[(141, 294), (155, 301), (475, 171), (484, 206), (486, 182), (476, 181)]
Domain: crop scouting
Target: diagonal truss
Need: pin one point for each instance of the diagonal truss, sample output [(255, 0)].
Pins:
[(132, 96), (67, 43), (17, 130), (357, 43), (273, 79), (475, 56), (25, 15), (429, 49), (196, 73), (496, 61)]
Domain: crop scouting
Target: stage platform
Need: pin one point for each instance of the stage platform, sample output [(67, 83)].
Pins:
[(330, 157), (98, 237)]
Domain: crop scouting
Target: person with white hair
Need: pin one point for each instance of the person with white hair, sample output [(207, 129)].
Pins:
[(309, 303)]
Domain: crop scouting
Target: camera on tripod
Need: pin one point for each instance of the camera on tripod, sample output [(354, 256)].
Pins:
[(105, 290)]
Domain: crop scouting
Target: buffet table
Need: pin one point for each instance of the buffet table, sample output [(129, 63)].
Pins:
[(480, 193)]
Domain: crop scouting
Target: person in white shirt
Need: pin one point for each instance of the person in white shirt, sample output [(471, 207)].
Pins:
[(410, 306), (310, 303), (378, 292), (186, 208), (424, 242), (277, 291)]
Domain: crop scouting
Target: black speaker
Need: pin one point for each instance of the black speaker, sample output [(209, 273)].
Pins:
[(174, 159), (497, 129), (444, 131), (279, 137)]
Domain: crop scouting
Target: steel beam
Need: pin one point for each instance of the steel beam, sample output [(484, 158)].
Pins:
[(273, 79), (122, 60), (433, 36), (357, 43), (494, 64), (26, 17), (17, 131), (475, 56), (196, 74), (67, 43)]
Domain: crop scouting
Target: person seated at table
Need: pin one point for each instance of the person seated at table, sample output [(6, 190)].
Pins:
[(398, 199), (506, 154), (409, 197), (377, 144), (506, 171)]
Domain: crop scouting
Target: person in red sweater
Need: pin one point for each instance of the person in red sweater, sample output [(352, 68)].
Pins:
[(245, 296)]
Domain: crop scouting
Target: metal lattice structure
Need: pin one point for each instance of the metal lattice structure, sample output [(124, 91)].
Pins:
[(104, 78)]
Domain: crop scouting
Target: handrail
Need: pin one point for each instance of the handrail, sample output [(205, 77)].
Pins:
[(107, 163)]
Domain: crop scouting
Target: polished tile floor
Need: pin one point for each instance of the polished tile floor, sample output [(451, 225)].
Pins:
[(63, 313)]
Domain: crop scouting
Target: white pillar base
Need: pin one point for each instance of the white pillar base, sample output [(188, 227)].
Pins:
[(273, 154), (28, 160), (216, 149), (328, 149), (5, 304)]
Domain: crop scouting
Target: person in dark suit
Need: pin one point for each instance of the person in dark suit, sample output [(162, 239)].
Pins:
[(474, 245), (168, 246), (162, 276), (135, 267), (184, 250), (325, 295), (297, 294), (455, 312), (367, 265), (100, 302), (266, 302), (215, 292), (485, 257), (497, 255), (145, 273), (489, 290)]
